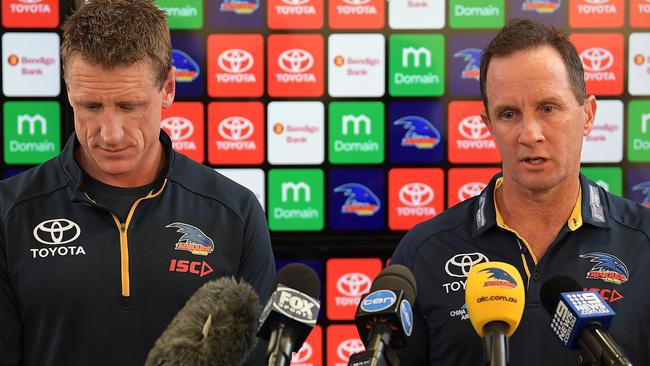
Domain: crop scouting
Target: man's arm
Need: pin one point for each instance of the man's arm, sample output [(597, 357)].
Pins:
[(257, 265), (416, 352), (10, 327)]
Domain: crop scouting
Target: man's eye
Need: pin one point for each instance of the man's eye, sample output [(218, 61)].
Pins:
[(508, 115), (548, 109)]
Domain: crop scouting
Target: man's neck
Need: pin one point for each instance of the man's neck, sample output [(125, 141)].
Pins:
[(537, 216)]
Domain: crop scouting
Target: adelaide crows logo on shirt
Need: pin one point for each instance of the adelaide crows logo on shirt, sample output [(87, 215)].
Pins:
[(608, 268), (499, 277), (193, 240)]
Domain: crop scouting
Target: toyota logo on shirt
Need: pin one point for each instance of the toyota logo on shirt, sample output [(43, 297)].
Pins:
[(460, 264), (349, 347), (178, 128), (295, 61), (56, 231), (236, 128), (473, 128), (596, 59), (303, 355), (353, 284), (235, 61), (416, 194)]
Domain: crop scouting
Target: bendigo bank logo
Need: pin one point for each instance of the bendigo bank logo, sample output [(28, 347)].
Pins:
[(187, 70), (472, 56), (240, 6), (237, 131), (420, 133), (361, 201), (541, 6), (193, 239)]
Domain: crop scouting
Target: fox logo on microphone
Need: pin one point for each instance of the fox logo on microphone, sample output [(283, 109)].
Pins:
[(296, 305)]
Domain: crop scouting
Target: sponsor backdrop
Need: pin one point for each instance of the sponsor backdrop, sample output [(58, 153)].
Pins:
[(351, 120)]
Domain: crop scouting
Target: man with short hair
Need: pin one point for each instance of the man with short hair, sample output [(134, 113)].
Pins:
[(540, 215), (101, 246)]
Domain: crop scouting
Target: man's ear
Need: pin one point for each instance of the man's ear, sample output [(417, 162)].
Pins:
[(486, 120), (589, 113), (169, 88)]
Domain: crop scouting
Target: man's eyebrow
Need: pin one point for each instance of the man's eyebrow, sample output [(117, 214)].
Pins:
[(505, 107)]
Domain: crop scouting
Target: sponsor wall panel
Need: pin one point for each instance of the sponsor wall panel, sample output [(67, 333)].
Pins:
[(346, 280)]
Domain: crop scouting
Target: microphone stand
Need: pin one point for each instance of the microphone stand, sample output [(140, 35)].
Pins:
[(495, 344), (280, 346), (597, 348), (378, 352)]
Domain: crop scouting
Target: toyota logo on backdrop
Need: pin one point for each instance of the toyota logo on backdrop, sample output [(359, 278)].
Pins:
[(356, 2), (295, 2), (353, 284), (295, 61), (349, 347), (596, 59), (460, 264), (470, 190), (472, 128), (56, 231), (178, 128), (596, 2), (236, 128), (303, 355), (416, 194), (235, 61)]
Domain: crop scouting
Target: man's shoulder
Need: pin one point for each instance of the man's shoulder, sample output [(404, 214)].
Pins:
[(207, 182), (30, 184), (628, 213), (458, 220)]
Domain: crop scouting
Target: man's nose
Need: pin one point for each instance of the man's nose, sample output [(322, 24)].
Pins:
[(112, 130), (531, 131)]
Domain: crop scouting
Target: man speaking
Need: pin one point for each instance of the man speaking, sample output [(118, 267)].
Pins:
[(102, 245), (541, 215)]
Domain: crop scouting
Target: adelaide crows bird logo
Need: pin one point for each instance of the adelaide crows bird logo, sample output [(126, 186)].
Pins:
[(419, 132), (645, 191), (473, 57), (499, 277), (193, 240), (360, 199), (608, 268)]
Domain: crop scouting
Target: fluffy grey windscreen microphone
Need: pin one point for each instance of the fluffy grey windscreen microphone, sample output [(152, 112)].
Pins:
[(217, 326)]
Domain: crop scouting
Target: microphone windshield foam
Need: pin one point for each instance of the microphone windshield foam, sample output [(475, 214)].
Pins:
[(299, 277)]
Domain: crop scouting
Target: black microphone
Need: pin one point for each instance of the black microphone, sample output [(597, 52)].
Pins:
[(580, 319), (291, 313), (215, 327), (384, 317)]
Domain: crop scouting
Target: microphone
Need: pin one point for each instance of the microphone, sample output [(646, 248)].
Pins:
[(495, 297), (384, 317), (291, 313), (215, 327), (580, 319)]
